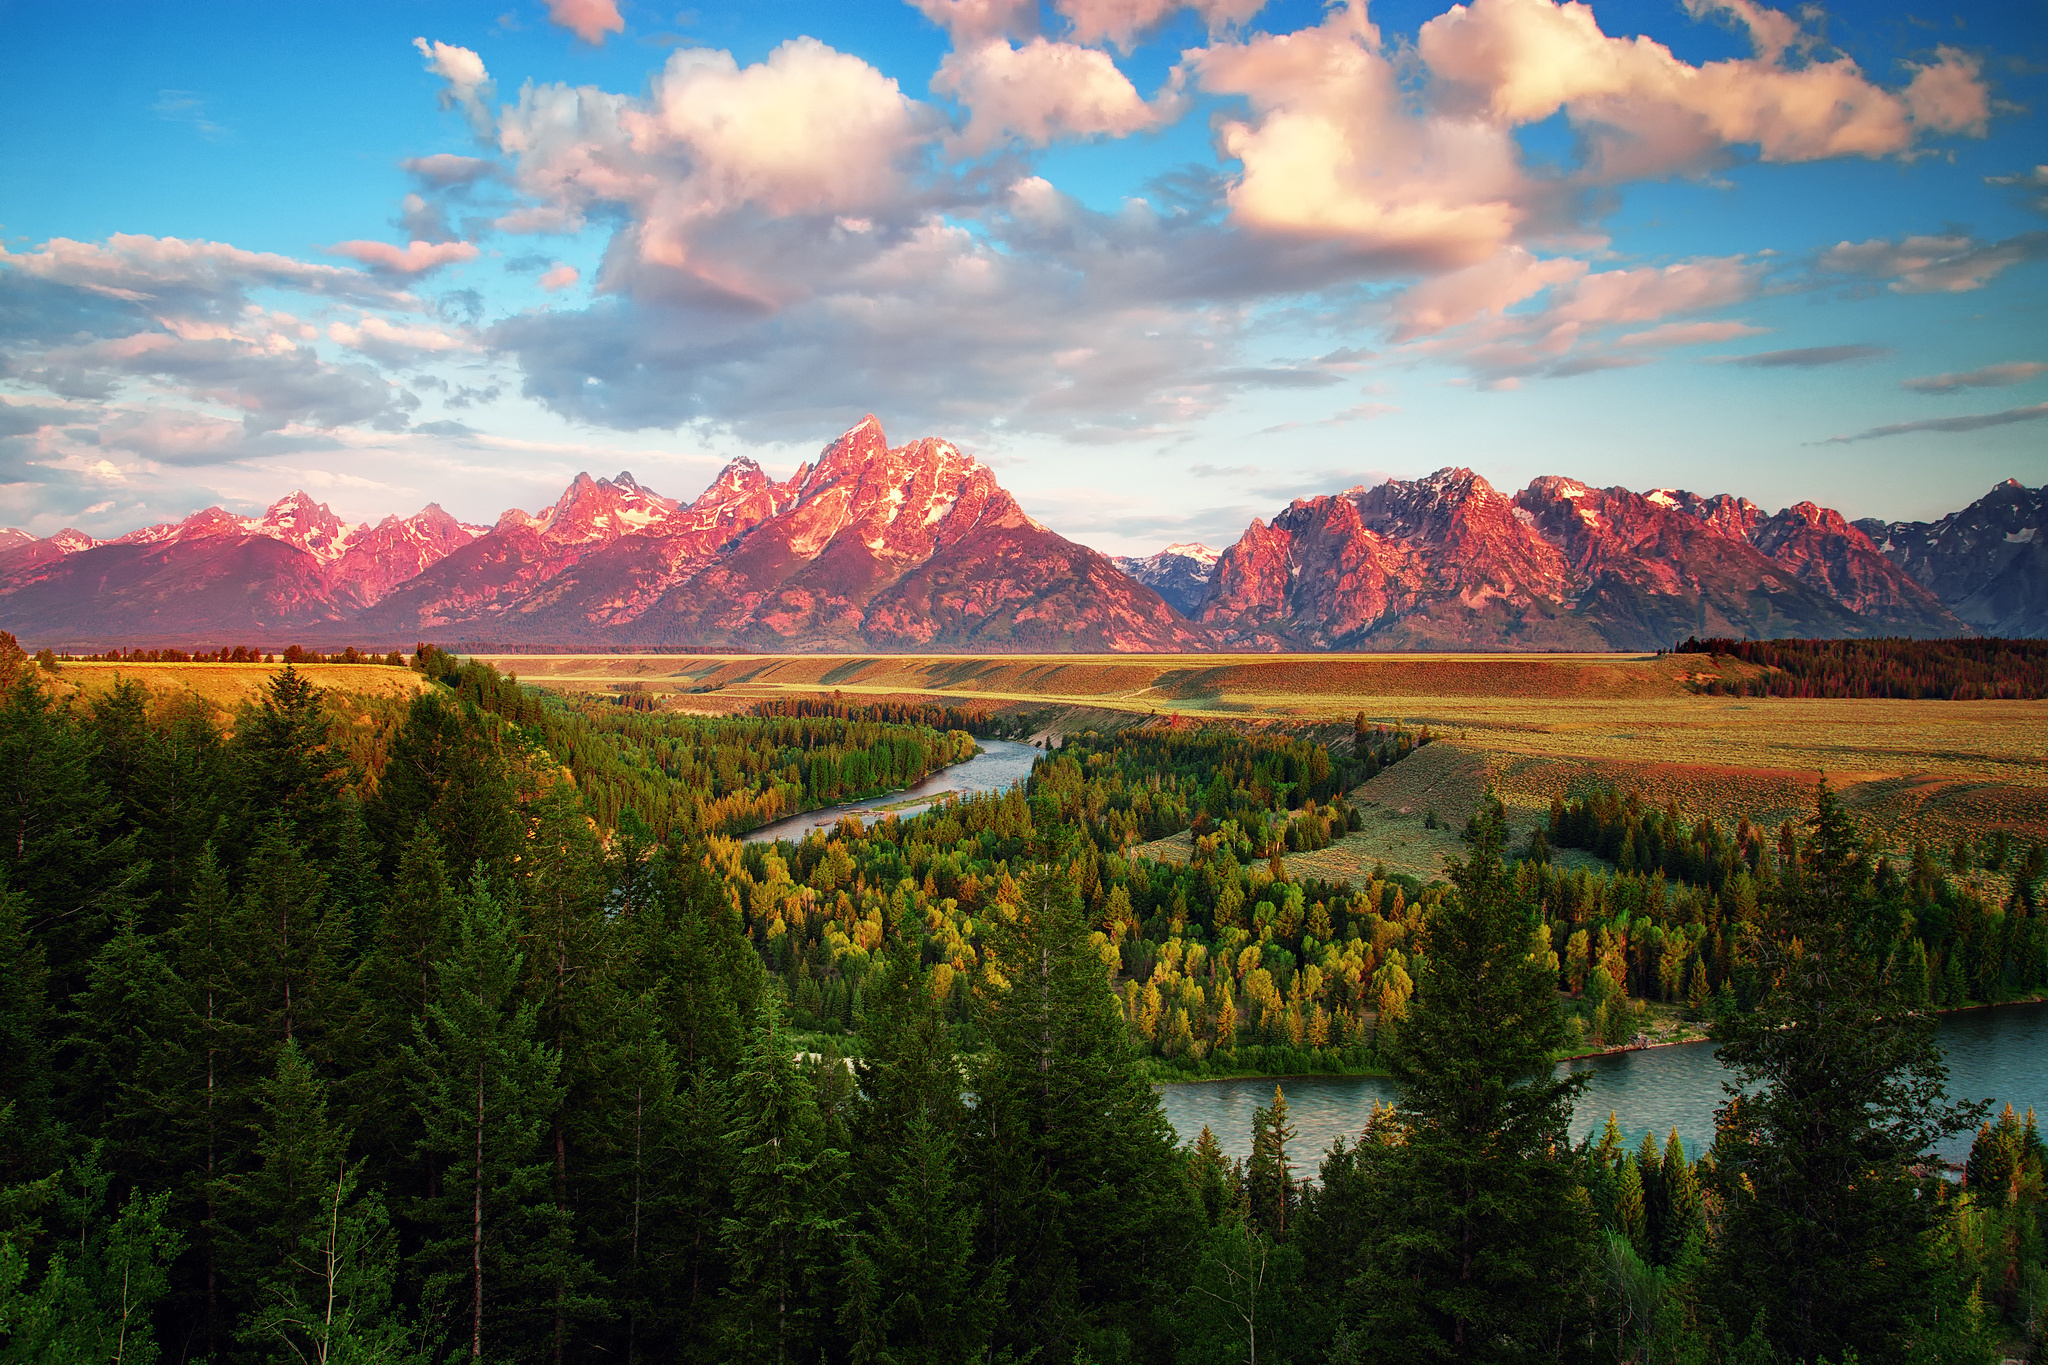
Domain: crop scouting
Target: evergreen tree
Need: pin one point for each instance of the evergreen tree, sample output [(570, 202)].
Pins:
[(1074, 1158), (1825, 1229), (1268, 1176), (1479, 1234), (446, 767), (27, 1114), (486, 1089), (914, 1293), (291, 772), (781, 1232)]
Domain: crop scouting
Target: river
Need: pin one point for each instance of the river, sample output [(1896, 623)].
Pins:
[(1000, 765), (1998, 1054)]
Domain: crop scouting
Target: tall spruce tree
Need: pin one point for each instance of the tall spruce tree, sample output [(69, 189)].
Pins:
[(1082, 1188), (1478, 1229), (914, 1292), (781, 1237), (497, 1250), (1827, 1214)]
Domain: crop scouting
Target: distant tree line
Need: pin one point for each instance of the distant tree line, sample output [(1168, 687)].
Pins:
[(1907, 670)]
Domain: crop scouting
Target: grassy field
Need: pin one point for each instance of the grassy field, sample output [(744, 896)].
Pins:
[(226, 686), (1533, 725)]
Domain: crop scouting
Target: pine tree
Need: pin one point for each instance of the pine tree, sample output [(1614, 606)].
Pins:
[(446, 768), (1074, 1157), (1825, 1226), (486, 1090), (780, 1235), (291, 773), (28, 1132), (1268, 1176), (1478, 1248), (913, 1290)]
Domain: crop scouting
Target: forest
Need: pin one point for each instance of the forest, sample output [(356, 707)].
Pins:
[(1964, 669), (470, 1028)]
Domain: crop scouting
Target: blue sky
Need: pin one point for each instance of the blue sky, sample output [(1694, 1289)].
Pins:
[(1163, 266)]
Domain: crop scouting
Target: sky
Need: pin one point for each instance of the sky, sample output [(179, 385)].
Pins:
[(1164, 267)]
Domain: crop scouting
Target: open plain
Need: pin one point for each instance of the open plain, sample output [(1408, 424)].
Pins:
[(1533, 726)]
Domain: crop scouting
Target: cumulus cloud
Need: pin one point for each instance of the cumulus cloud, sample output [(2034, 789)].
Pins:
[(1648, 112), (1332, 150), (1123, 21), (1950, 264), (559, 277), (1975, 422), (1989, 377), (589, 20), (468, 83), (1042, 92), (974, 21), (1806, 357), (414, 258)]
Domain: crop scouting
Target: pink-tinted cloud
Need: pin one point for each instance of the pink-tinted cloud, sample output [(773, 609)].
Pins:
[(1122, 22), (1989, 377), (589, 20), (1041, 92), (976, 21), (1948, 264), (1495, 284), (1333, 150), (185, 275), (398, 342), (444, 170), (1520, 61), (414, 258), (560, 277)]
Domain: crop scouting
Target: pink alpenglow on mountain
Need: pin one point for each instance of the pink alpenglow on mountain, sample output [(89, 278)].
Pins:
[(917, 547)]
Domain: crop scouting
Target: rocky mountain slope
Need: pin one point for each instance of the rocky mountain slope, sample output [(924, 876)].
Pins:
[(1178, 573), (917, 547), (1449, 562), (1989, 561)]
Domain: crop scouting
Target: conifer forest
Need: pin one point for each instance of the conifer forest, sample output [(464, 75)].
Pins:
[(360, 1030)]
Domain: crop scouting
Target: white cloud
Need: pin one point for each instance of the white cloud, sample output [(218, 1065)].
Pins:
[(469, 84), (1042, 92)]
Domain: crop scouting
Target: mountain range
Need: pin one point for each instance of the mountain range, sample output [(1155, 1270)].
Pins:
[(917, 547)]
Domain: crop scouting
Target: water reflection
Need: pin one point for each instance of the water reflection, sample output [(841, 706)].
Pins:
[(1998, 1054), (1000, 765)]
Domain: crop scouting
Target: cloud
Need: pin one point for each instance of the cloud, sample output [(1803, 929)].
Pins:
[(1989, 377), (395, 343), (1493, 285), (1332, 151), (974, 21), (445, 170), (2034, 181), (1040, 93), (1950, 264), (170, 274), (1805, 357), (589, 20), (182, 106), (469, 85), (415, 258), (1224, 471), (560, 277), (1975, 422), (1122, 22), (1517, 62)]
